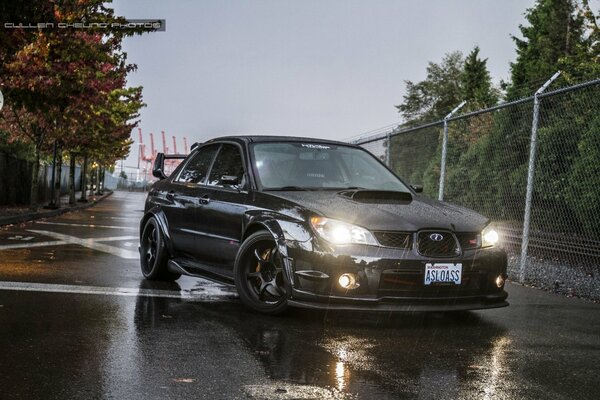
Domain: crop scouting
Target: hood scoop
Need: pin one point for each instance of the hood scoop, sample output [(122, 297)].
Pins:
[(377, 196)]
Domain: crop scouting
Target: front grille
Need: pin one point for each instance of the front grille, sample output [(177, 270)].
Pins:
[(446, 246), (469, 240), (400, 240)]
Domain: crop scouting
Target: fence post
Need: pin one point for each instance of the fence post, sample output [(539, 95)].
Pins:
[(530, 174), (445, 150), (388, 150)]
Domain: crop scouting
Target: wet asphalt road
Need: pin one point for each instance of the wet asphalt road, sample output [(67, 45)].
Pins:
[(78, 322)]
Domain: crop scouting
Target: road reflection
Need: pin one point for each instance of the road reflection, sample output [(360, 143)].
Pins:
[(378, 355), (494, 369)]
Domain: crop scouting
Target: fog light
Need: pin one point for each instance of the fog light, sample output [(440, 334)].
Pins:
[(500, 281), (348, 281)]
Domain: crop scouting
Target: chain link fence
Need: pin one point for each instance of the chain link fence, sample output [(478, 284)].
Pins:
[(488, 157)]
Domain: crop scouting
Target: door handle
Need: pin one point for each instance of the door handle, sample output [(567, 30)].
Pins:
[(170, 195), (204, 199)]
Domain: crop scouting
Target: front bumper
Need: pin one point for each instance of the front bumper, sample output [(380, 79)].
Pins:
[(390, 279)]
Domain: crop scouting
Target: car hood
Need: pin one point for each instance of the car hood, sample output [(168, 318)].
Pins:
[(412, 214)]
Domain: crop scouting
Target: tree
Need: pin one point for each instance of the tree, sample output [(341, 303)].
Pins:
[(447, 84), (440, 92), (584, 62), (476, 83), (426, 101), (555, 32), (58, 80), (12, 40), (31, 109)]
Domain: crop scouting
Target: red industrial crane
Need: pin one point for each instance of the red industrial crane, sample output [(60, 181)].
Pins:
[(152, 146), (165, 148), (141, 145), (143, 156), (145, 162)]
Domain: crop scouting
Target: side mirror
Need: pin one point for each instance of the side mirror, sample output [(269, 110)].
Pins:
[(417, 188), (159, 166)]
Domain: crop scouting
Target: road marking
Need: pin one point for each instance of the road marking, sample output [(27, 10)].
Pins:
[(19, 237), (137, 219), (91, 243), (208, 293), (34, 244), (114, 238), (88, 225)]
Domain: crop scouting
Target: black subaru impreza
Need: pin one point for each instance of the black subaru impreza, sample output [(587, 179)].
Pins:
[(317, 224)]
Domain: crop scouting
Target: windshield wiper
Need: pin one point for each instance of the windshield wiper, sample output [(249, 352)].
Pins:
[(287, 188), (354, 188), (343, 188)]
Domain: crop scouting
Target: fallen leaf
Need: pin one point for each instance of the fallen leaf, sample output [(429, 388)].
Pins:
[(184, 380)]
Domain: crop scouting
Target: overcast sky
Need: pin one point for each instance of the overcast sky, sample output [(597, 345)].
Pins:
[(318, 68)]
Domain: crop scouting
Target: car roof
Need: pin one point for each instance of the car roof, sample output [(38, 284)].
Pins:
[(262, 139)]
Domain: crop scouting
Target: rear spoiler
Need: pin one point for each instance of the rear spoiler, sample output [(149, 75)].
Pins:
[(158, 169), (195, 145)]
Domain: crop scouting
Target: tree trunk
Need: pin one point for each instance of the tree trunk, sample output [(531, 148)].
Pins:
[(93, 179), (57, 185), (100, 184), (83, 198), (101, 180), (72, 179), (33, 199)]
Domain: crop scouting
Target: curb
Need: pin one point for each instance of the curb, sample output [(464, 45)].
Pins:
[(30, 216)]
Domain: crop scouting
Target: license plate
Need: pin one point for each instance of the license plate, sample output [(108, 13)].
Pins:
[(443, 273)]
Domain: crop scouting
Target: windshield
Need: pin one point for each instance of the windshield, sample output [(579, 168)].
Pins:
[(312, 166)]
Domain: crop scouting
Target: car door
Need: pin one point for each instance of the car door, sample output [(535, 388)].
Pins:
[(222, 216), (184, 201)]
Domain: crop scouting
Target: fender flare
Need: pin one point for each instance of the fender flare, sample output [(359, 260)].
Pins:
[(273, 224), (280, 226), (160, 217)]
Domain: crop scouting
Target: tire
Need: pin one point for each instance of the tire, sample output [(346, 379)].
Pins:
[(259, 276), (153, 254)]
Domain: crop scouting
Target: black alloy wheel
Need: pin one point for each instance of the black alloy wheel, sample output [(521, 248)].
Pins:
[(153, 254), (259, 276)]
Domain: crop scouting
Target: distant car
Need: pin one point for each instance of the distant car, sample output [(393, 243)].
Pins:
[(317, 224)]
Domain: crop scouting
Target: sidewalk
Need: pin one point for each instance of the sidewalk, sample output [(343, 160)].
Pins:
[(18, 214)]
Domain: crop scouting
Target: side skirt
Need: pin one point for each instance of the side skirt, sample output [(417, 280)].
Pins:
[(190, 268)]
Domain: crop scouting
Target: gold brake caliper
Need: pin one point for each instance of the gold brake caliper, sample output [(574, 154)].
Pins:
[(264, 256)]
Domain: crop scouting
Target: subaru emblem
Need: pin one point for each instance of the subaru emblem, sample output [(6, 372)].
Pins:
[(436, 237)]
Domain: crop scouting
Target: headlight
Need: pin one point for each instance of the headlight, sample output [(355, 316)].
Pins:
[(489, 237), (339, 232)]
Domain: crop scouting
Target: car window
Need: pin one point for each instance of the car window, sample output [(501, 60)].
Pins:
[(228, 164), (313, 166), (361, 172), (197, 168)]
